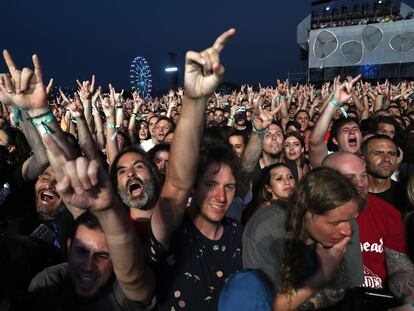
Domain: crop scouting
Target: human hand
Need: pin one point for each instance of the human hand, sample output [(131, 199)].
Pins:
[(281, 87), (108, 107), (86, 89), (76, 108), (171, 94), (203, 71), (49, 87), (23, 88), (343, 91), (180, 92), (261, 118), (83, 182), (329, 260)]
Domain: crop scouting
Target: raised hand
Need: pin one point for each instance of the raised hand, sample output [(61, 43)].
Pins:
[(76, 108), (344, 91), (108, 107), (24, 88), (83, 182), (86, 88), (49, 87), (281, 87), (171, 94), (261, 118), (203, 71)]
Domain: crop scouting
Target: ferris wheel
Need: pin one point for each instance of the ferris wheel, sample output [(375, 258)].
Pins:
[(140, 77)]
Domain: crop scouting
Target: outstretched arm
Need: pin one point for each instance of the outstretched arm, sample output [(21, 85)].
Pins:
[(203, 73), (317, 147), (26, 90), (85, 184), (261, 120)]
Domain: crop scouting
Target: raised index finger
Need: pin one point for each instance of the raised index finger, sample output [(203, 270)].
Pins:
[(37, 68), (224, 37), (9, 61), (355, 79), (59, 158)]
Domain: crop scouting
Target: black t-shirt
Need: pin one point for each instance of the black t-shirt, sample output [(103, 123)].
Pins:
[(394, 195), (191, 274), (19, 198)]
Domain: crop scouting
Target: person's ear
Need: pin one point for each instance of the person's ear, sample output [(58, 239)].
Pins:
[(309, 217), (334, 141)]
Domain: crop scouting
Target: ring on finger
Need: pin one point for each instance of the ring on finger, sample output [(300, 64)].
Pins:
[(9, 91)]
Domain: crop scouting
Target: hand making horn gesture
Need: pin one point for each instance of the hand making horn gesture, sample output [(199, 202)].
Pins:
[(24, 88), (82, 181), (343, 91), (203, 71)]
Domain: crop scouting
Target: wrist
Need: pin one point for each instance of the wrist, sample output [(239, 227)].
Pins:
[(103, 211), (37, 111), (339, 105), (258, 131)]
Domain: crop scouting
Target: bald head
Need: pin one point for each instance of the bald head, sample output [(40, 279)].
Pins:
[(352, 167)]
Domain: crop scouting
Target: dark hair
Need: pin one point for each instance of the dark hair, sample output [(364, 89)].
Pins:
[(302, 110), (164, 118), (386, 120), (321, 190), (364, 145), (87, 219), (215, 135), (263, 194), (138, 128), (221, 154), (391, 121), (293, 123), (297, 135), (145, 159), (157, 148), (125, 137), (236, 132), (16, 138), (338, 124)]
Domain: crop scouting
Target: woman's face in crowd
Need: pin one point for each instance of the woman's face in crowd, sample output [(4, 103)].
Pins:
[(293, 148), (282, 183), (332, 227), (143, 131)]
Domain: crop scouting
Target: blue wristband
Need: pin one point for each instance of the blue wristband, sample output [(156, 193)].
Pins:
[(339, 105), (257, 131)]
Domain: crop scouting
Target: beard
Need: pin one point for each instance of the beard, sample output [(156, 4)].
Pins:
[(46, 214), (146, 196)]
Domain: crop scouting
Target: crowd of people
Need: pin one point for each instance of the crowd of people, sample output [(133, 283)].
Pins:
[(268, 198), (370, 12)]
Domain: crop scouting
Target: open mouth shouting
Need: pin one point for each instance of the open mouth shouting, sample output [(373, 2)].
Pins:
[(48, 197), (135, 186)]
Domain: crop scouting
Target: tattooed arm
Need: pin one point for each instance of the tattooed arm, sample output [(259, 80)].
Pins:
[(400, 274), (324, 298)]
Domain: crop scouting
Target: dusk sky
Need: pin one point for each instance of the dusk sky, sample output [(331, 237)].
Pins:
[(75, 39)]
